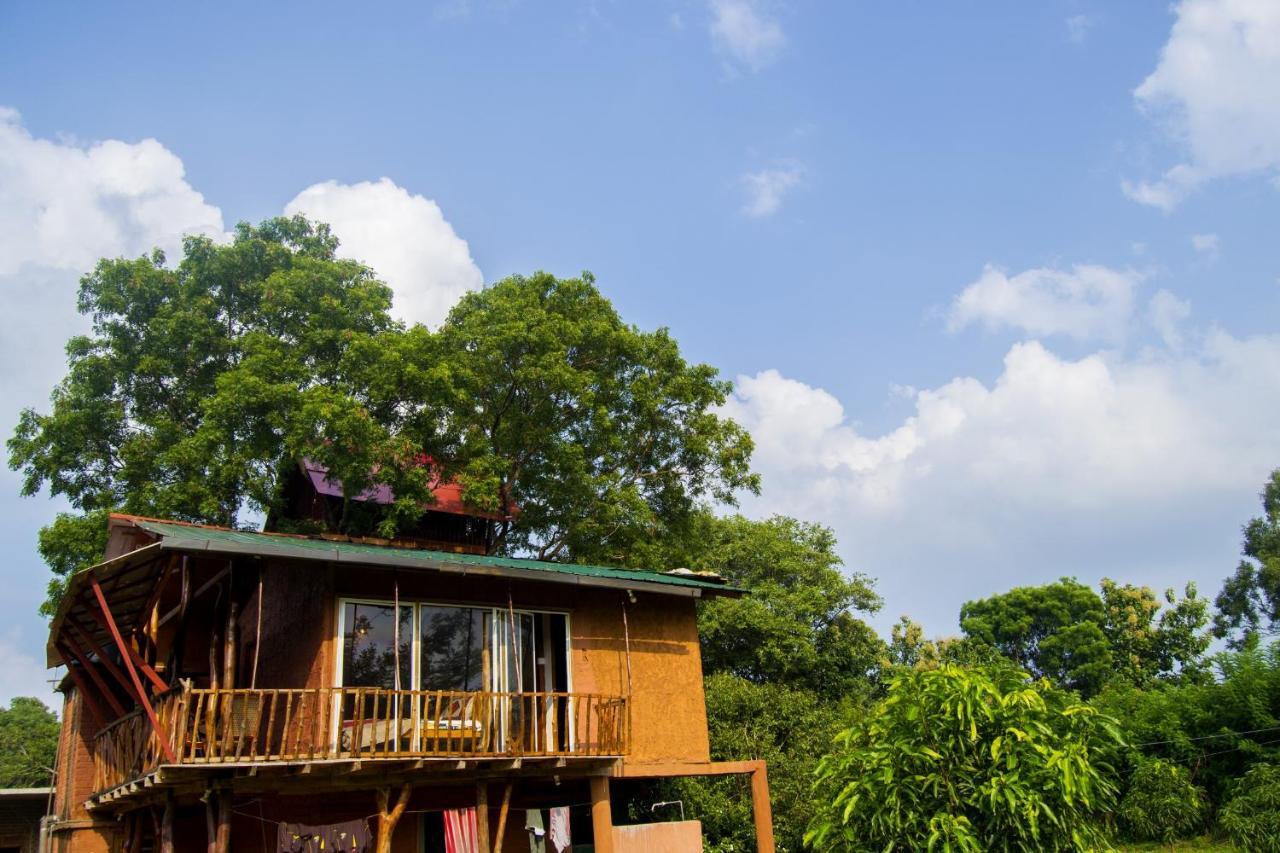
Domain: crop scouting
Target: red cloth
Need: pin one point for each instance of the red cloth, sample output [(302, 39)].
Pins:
[(460, 833)]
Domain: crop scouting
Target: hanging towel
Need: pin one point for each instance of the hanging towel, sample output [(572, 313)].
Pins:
[(558, 829), (353, 836), (537, 834), (460, 832)]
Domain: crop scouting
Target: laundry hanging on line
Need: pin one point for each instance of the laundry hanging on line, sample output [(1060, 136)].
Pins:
[(352, 836)]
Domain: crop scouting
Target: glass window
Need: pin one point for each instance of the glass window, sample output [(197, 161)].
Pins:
[(369, 646), (455, 648)]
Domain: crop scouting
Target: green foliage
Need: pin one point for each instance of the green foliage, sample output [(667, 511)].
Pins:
[(1252, 816), (601, 435), (1081, 640), (786, 727), (968, 759), (1220, 727), (72, 542), (28, 743), (798, 626), (1161, 804), (1249, 603)]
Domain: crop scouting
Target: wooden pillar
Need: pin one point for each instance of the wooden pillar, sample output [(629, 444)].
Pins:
[(232, 641), (222, 839), (166, 825), (502, 818), (389, 816), (482, 817), (761, 809), (601, 814)]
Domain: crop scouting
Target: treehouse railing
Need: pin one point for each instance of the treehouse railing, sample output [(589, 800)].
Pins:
[(356, 723)]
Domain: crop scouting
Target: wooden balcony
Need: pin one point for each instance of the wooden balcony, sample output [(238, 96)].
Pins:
[(257, 727)]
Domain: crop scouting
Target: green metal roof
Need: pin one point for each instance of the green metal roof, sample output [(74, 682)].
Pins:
[(186, 537)]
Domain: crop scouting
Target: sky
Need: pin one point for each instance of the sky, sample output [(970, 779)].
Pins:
[(998, 284)]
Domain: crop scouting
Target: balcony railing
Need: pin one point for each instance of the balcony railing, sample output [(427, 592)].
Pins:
[(357, 723)]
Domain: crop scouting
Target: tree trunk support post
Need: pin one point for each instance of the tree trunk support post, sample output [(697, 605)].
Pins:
[(601, 814), (482, 817), (166, 825), (389, 816)]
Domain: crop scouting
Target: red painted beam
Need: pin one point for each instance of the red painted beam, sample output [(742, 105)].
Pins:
[(86, 695), (91, 646), (130, 651), (69, 647), (133, 673)]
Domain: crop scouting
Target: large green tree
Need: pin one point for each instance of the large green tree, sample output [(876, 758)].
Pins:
[(968, 759), (1249, 603), (593, 435), (198, 382), (1082, 639), (28, 743)]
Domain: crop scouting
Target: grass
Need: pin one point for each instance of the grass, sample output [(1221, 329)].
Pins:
[(1203, 844)]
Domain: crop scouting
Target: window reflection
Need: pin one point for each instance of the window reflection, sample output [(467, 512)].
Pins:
[(455, 648), (369, 646)]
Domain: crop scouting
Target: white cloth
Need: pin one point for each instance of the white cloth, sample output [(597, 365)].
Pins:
[(558, 829)]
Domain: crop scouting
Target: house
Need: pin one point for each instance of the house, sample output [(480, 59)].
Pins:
[(256, 690), (21, 810)]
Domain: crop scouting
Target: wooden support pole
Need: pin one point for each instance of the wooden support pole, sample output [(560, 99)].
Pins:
[(166, 825), (86, 644), (601, 814), (229, 653), (71, 649), (761, 810), (133, 673), (389, 817), (482, 817), (128, 651), (502, 818), (222, 839)]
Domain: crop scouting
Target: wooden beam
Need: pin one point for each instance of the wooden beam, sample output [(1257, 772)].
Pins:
[(693, 768), (388, 817), (761, 810), (482, 817), (69, 648), (203, 588), (601, 814), (106, 661), (502, 818), (126, 650), (166, 825), (86, 696), (133, 673)]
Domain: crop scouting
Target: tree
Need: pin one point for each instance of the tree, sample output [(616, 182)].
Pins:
[(1252, 816), (787, 727), (1249, 603), (968, 759), (199, 382), (590, 434), (1054, 631), (1066, 632), (1161, 804), (28, 743), (798, 626)]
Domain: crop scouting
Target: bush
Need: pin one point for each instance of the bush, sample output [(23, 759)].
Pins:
[(968, 759), (1162, 804), (1252, 817)]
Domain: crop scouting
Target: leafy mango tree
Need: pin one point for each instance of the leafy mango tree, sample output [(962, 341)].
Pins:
[(969, 759)]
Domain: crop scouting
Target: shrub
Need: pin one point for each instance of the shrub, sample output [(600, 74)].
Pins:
[(1162, 804), (968, 759), (1252, 816)]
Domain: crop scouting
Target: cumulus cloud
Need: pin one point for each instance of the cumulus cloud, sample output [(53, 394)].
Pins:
[(1206, 244), (1167, 313), (767, 188), (23, 673), (745, 34), (1213, 90), (1139, 467), (1085, 302), (404, 237)]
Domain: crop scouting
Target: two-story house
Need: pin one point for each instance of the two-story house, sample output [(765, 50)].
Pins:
[(281, 691)]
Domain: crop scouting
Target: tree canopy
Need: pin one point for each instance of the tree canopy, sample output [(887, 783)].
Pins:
[(1249, 603), (28, 743), (200, 384)]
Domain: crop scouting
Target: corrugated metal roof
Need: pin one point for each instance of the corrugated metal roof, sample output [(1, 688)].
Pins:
[(187, 537)]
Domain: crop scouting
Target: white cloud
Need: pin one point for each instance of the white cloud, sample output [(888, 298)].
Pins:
[(1214, 92), (744, 33), (1167, 313), (1206, 244), (23, 673), (767, 188), (1078, 27), (1138, 467), (1085, 302), (403, 237)]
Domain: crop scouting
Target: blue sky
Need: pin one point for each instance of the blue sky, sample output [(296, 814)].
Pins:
[(998, 282)]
